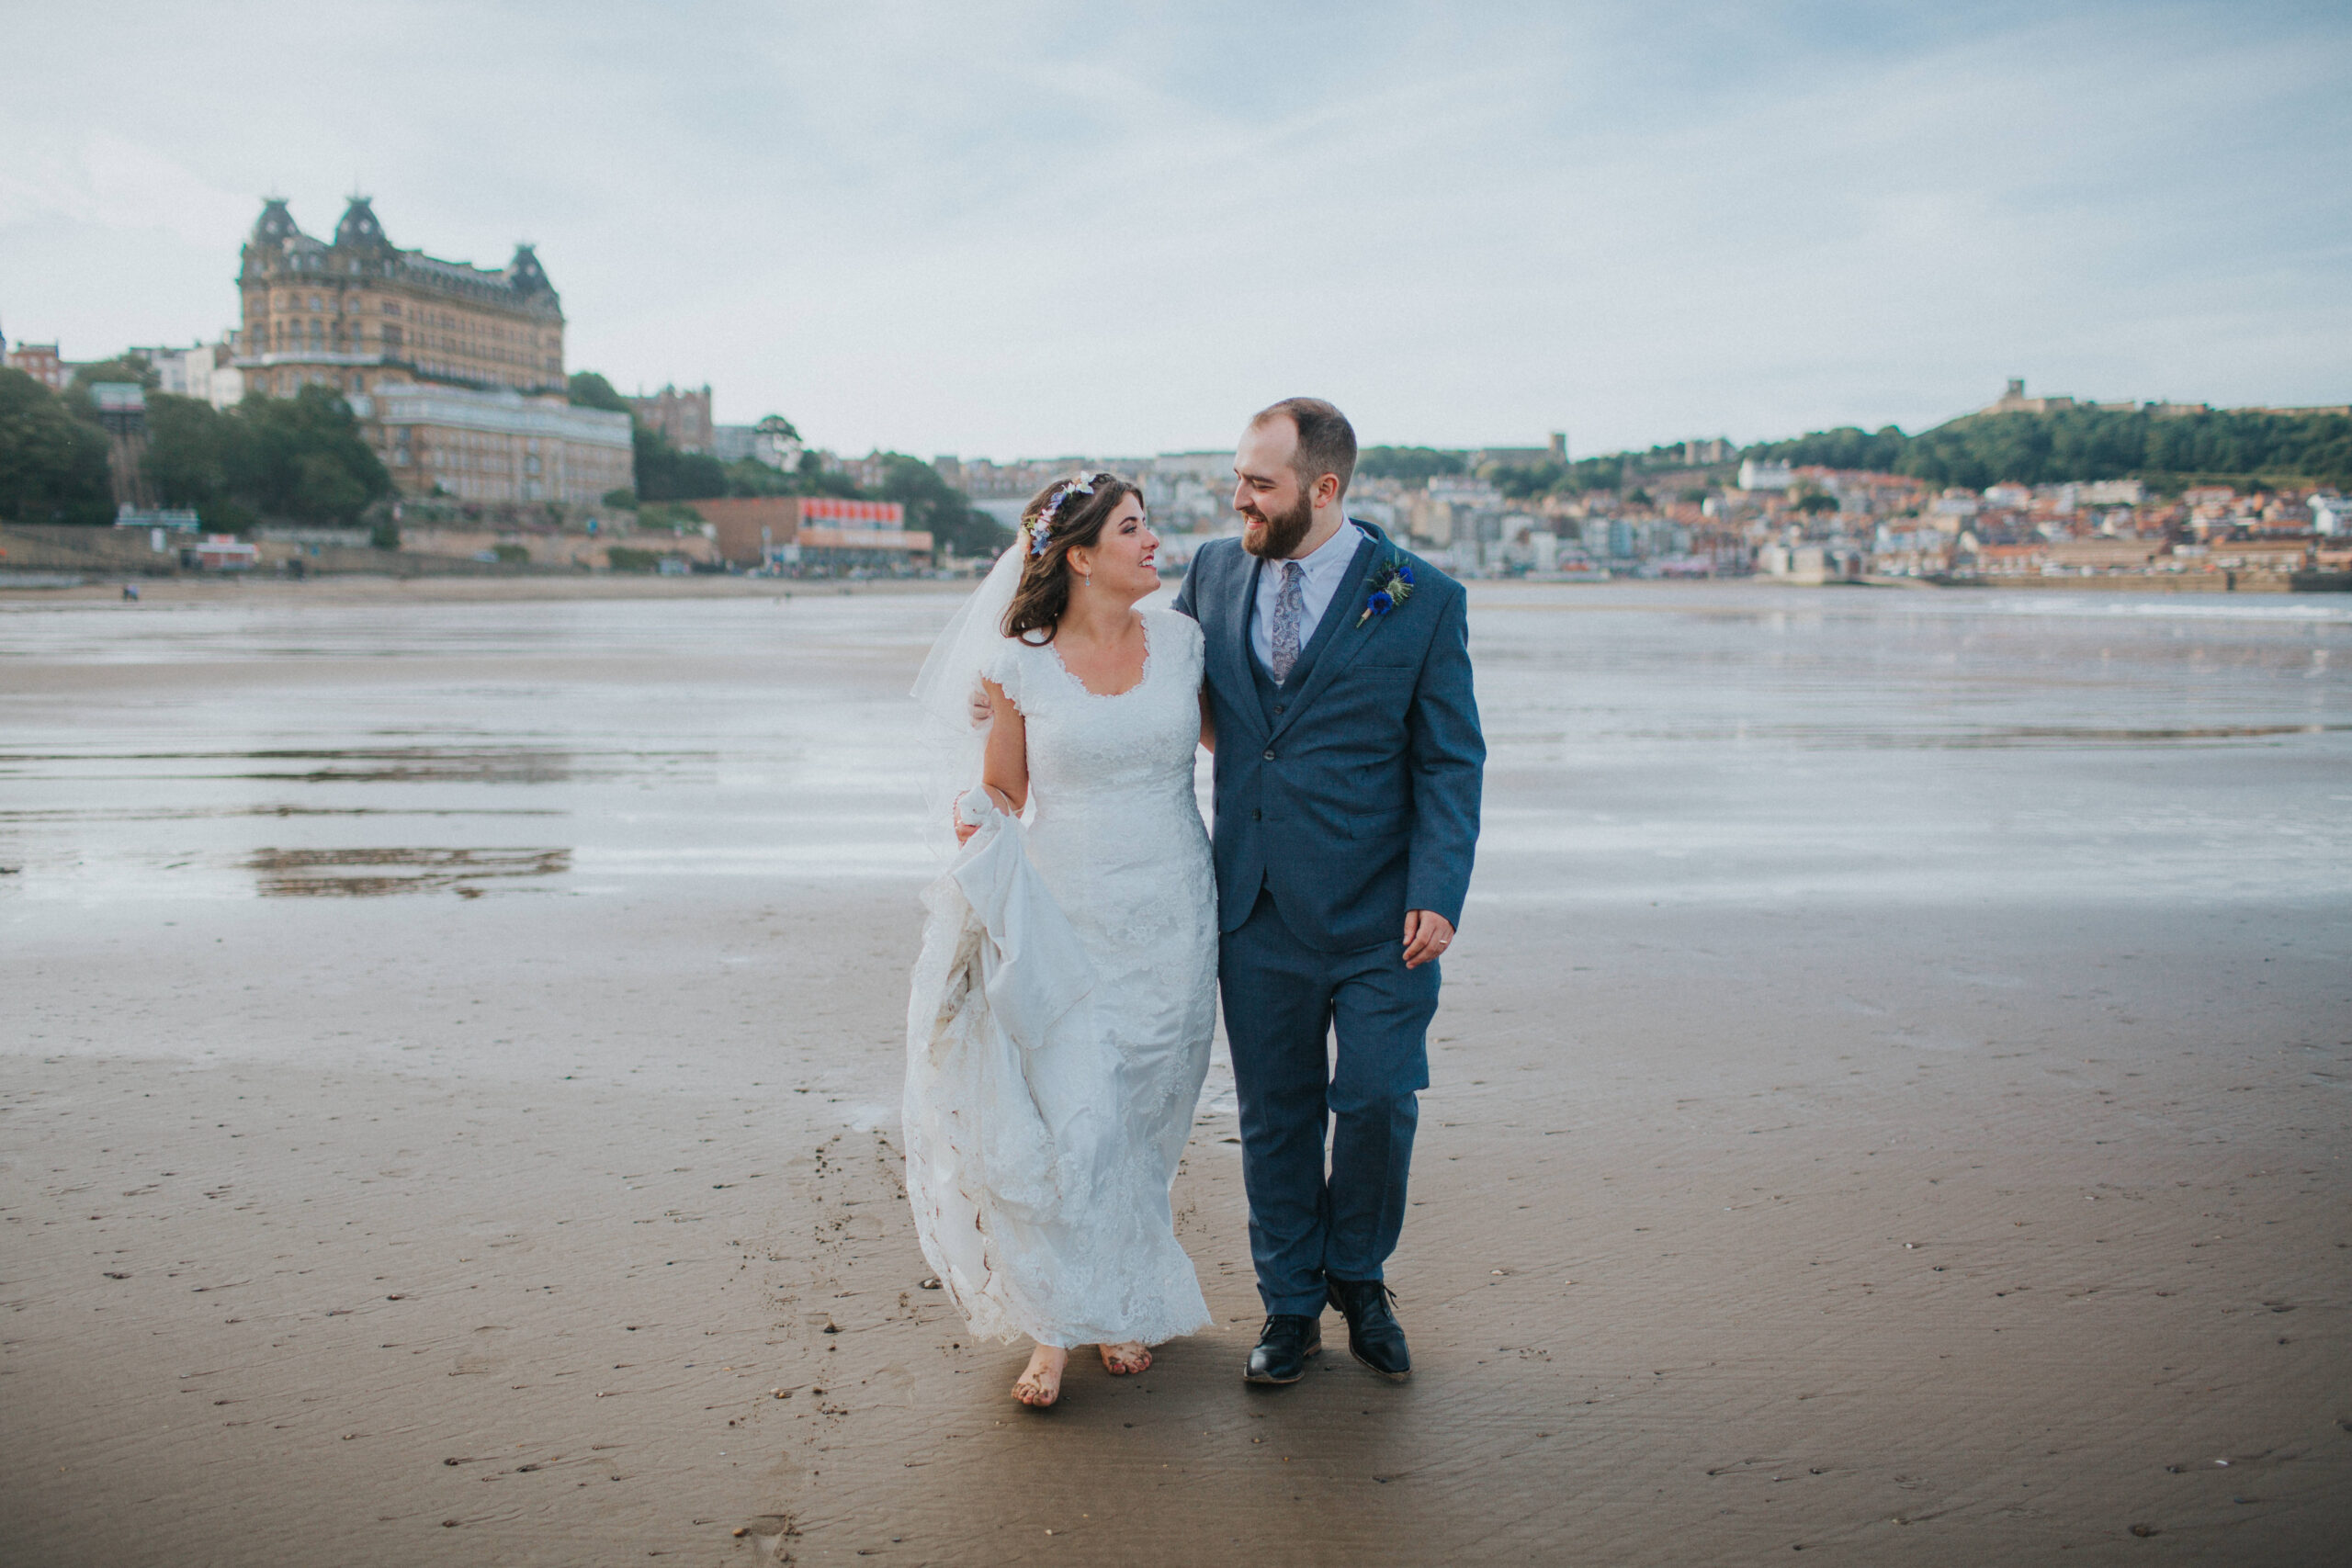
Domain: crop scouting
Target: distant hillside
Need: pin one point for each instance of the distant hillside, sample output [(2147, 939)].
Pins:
[(2085, 443)]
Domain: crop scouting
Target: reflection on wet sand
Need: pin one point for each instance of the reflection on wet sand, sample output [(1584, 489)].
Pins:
[(517, 764), (194, 814), (1877, 736), (372, 873)]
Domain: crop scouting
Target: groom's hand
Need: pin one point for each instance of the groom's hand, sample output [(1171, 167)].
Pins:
[(1427, 935)]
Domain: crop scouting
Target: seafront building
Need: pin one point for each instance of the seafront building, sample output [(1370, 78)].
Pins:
[(454, 371), (496, 446), (817, 533), (358, 313)]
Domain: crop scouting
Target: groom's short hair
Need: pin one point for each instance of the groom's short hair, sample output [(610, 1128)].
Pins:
[(1327, 441)]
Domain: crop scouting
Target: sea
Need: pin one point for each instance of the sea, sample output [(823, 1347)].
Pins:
[(1724, 744)]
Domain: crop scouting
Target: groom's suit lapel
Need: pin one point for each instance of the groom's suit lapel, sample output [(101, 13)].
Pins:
[(1233, 647), (1355, 632)]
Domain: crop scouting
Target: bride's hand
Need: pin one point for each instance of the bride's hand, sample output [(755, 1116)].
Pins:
[(996, 797), (981, 712)]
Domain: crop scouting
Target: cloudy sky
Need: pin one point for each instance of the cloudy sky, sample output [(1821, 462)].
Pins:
[(1032, 230)]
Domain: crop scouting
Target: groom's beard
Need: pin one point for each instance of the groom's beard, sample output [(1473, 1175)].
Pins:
[(1272, 536)]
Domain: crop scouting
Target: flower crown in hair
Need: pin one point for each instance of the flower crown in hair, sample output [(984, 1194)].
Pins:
[(1041, 527)]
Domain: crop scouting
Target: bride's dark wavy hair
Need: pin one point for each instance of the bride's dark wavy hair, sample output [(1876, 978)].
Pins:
[(1043, 593)]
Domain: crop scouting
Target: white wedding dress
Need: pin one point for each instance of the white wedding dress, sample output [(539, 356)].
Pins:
[(1058, 1028)]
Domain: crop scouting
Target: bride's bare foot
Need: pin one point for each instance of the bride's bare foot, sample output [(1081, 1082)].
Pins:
[(1041, 1384), (1130, 1357)]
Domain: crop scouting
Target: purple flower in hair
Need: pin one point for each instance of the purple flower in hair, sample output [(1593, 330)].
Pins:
[(1041, 530)]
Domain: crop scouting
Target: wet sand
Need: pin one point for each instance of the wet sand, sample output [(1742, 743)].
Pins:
[(194, 591), (1891, 1101)]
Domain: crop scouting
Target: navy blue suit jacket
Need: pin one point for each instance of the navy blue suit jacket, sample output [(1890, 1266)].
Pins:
[(1360, 801)]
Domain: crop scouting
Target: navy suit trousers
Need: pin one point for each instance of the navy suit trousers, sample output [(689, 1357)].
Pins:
[(1284, 1003)]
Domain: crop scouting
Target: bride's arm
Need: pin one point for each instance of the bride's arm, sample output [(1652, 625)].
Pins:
[(1005, 769), (1208, 723)]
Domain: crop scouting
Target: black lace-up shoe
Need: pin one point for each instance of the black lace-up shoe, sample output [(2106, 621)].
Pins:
[(1283, 1347), (1374, 1336)]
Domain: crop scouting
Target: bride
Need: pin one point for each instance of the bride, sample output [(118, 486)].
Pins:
[(1059, 1023)]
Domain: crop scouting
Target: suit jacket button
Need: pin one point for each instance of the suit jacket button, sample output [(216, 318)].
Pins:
[(1280, 710), (1258, 815), (1270, 756)]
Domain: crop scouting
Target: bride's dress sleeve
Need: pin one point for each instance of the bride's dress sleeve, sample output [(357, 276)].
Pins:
[(1191, 639), (1003, 663)]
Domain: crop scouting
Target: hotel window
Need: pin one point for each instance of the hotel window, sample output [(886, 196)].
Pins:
[(314, 304)]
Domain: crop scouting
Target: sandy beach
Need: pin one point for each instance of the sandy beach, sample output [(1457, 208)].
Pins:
[(1890, 1101)]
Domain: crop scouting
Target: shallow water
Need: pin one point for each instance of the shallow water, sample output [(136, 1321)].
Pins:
[(1723, 744)]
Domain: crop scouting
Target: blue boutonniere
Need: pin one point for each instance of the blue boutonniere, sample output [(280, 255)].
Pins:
[(1390, 591)]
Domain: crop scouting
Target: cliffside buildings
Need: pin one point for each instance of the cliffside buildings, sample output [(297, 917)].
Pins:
[(496, 446), (208, 371), (454, 371), (358, 313), (683, 417), (39, 361)]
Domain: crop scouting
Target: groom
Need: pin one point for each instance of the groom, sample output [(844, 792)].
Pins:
[(1348, 763)]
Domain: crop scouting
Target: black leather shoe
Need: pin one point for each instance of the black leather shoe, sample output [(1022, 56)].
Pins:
[(1283, 1347), (1374, 1336)]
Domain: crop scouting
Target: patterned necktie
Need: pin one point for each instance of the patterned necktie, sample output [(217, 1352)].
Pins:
[(1290, 608)]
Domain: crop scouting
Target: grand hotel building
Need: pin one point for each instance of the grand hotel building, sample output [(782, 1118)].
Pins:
[(454, 371)]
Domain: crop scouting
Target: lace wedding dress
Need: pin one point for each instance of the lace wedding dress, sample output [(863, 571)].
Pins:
[(1059, 1023)]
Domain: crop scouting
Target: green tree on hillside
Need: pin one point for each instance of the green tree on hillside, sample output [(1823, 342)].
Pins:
[(665, 473), (1524, 481), (189, 444), (52, 466), (301, 458), (590, 390), (2077, 444), (1414, 465), (1594, 473), (1844, 448), (122, 367), (938, 508)]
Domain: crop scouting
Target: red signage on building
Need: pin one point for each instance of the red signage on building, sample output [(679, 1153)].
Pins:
[(825, 512)]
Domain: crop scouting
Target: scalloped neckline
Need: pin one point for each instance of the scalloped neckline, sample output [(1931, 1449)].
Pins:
[(1141, 677)]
